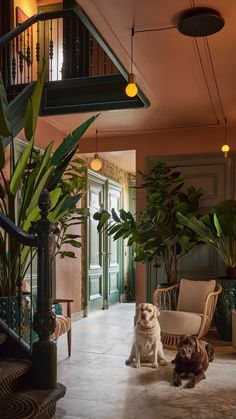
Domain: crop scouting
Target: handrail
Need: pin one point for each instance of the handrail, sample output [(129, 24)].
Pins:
[(33, 19), (18, 234)]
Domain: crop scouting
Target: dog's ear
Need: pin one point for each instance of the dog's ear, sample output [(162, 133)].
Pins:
[(137, 313), (198, 349)]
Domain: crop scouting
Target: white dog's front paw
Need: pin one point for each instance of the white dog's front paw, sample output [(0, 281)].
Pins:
[(137, 365), (155, 365), (163, 362)]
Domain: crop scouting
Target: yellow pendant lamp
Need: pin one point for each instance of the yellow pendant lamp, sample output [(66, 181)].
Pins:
[(131, 89), (225, 148), (96, 163)]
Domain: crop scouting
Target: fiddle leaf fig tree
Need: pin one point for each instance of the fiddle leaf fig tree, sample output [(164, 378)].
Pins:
[(61, 172), (155, 232)]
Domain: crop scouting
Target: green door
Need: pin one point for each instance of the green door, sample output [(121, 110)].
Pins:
[(95, 257), (114, 255), (104, 256)]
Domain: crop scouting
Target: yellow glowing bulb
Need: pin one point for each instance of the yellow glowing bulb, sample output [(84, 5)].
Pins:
[(225, 149), (131, 89), (96, 163)]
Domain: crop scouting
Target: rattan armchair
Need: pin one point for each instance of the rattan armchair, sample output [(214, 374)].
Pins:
[(174, 309)]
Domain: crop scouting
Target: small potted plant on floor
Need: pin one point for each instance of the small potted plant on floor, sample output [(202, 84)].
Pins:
[(218, 229)]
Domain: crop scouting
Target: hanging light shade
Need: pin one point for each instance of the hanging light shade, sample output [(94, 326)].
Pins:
[(225, 148), (131, 89), (96, 163)]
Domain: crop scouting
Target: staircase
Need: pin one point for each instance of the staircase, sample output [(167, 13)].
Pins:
[(18, 398), (83, 74)]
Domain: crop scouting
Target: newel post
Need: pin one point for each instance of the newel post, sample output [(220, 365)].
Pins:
[(44, 356)]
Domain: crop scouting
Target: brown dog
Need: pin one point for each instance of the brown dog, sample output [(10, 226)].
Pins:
[(192, 360)]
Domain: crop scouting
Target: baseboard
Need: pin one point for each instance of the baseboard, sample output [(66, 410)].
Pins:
[(78, 315)]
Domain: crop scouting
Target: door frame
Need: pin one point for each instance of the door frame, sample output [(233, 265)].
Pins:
[(101, 179)]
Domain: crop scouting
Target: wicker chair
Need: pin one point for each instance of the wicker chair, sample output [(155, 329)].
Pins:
[(63, 321), (186, 308)]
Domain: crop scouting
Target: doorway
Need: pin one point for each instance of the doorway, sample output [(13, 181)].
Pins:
[(104, 256)]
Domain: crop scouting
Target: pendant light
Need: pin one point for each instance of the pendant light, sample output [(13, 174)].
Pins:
[(96, 163), (225, 147), (131, 89)]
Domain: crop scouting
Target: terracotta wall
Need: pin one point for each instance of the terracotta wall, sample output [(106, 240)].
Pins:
[(168, 142)]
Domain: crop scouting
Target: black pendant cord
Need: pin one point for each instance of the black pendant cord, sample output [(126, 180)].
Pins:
[(96, 141), (205, 79), (131, 50), (214, 76), (154, 30)]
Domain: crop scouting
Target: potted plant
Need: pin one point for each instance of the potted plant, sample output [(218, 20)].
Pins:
[(60, 172), (155, 232), (218, 230)]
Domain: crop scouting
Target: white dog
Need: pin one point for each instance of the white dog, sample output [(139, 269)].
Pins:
[(147, 337)]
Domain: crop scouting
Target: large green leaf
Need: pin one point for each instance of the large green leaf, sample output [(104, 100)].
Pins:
[(5, 124), (33, 106), (69, 203), (71, 141), (45, 161), (20, 168)]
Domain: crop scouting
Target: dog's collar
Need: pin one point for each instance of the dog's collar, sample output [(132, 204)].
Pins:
[(146, 327)]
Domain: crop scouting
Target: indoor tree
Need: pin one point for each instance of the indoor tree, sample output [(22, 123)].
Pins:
[(155, 231)]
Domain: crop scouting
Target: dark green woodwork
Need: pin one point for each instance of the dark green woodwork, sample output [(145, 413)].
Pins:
[(225, 304), (44, 356), (88, 94), (104, 256), (113, 257)]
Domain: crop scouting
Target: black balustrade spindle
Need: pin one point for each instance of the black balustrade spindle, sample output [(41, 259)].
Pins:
[(91, 48), (50, 52), (37, 49)]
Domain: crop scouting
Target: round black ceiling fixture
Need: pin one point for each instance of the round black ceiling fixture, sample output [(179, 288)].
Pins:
[(200, 21)]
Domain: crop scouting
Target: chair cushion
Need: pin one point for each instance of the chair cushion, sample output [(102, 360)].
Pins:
[(179, 322), (63, 325), (193, 294)]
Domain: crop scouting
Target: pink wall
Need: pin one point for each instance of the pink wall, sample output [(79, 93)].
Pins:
[(168, 142)]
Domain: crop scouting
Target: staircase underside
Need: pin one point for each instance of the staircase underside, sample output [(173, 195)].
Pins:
[(89, 94)]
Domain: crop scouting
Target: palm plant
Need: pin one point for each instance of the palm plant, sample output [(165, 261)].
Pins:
[(61, 173), (218, 230), (155, 232)]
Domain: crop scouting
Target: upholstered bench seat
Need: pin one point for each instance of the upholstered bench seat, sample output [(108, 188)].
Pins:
[(63, 325), (180, 322)]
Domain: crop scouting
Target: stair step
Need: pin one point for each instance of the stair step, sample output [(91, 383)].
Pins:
[(12, 374), (3, 338), (31, 403)]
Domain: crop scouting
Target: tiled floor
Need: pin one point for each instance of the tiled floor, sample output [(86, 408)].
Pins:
[(100, 385)]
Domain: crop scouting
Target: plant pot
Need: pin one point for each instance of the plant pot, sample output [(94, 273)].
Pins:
[(225, 304)]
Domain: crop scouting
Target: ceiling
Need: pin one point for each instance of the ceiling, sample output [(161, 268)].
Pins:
[(182, 92)]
